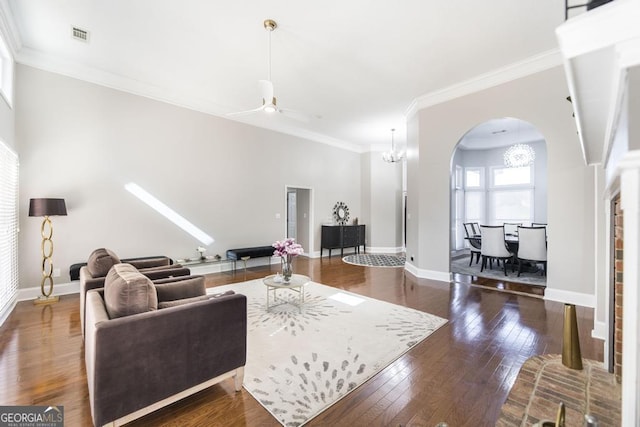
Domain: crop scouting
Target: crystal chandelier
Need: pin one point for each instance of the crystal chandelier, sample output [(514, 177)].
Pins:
[(519, 155), (393, 155)]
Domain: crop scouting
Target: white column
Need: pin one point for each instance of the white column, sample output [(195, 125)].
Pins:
[(630, 203)]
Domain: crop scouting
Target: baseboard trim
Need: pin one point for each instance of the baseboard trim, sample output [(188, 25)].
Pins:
[(25, 294), (334, 252), (440, 276), (7, 312), (600, 330), (568, 297), (384, 250), (348, 251)]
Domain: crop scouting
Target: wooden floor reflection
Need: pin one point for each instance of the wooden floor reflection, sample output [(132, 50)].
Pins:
[(461, 374), (500, 285)]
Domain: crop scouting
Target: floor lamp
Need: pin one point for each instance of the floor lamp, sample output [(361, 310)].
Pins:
[(47, 208)]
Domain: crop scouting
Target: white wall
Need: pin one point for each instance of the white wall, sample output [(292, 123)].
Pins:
[(84, 142), (414, 184), (540, 100), (385, 208)]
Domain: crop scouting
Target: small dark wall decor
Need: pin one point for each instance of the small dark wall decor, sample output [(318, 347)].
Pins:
[(340, 213)]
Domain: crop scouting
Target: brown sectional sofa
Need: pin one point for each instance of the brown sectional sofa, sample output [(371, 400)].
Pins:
[(101, 260), (137, 363)]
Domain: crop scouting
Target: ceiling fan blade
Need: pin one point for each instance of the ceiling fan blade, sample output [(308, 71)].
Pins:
[(292, 114), (266, 91), (244, 113)]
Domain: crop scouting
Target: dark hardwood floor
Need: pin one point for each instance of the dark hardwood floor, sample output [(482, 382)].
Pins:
[(461, 374)]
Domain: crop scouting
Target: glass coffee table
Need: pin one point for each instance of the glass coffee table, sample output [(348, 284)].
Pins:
[(295, 284)]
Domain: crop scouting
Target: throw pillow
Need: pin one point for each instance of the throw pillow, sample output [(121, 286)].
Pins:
[(100, 262), (127, 291)]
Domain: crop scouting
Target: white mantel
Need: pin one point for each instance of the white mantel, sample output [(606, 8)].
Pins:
[(601, 51), (598, 48)]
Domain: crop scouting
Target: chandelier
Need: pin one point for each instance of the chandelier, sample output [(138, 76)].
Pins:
[(519, 155), (393, 155)]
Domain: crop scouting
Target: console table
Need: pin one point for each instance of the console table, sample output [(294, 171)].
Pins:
[(342, 236), (206, 265)]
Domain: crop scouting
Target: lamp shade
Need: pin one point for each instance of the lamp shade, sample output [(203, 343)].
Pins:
[(47, 207)]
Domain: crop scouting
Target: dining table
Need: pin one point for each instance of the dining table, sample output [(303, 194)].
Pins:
[(510, 239)]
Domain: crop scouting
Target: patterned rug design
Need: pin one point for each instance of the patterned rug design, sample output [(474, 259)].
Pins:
[(301, 361), (375, 260), (461, 265)]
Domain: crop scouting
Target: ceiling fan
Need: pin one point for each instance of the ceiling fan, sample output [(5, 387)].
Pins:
[(269, 102)]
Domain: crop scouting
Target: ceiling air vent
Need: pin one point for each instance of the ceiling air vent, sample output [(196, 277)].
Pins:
[(80, 34)]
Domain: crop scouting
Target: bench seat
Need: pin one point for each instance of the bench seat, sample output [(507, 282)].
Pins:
[(242, 254)]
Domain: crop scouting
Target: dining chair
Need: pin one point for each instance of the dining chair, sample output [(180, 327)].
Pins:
[(476, 228), (532, 247), (469, 229), (494, 246), (474, 241), (511, 228), (538, 224)]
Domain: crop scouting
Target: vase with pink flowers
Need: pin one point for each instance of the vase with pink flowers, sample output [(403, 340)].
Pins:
[(287, 249)]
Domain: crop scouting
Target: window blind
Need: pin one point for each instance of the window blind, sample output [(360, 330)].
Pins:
[(8, 228)]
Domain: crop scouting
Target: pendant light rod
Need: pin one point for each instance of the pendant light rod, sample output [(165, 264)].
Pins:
[(270, 25), (393, 143)]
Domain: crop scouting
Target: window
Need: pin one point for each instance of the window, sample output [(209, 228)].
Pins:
[(474, 206), (458, 227), (514, 206), (8, 229), (510, 177), (6, 72), (511, 195), (474, 178), (474, 195)]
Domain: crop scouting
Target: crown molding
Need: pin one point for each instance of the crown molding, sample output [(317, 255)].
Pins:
[(8, 28), (35, 59), (517, 70)]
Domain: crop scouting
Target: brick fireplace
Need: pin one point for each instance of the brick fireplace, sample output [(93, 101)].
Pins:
[(618, 252)]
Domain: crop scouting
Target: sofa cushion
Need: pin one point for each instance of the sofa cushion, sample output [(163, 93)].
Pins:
[(127, 291), (174, 303), (176, 288), (100, 262)]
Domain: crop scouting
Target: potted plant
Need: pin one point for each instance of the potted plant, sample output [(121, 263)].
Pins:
[(287, 250)]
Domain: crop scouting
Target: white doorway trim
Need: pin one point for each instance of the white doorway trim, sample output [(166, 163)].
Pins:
[(308, 251)]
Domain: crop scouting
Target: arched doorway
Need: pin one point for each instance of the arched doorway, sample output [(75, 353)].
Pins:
[(492, 183)]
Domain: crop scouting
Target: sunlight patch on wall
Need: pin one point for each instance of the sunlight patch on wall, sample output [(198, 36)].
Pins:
[(168, 213)]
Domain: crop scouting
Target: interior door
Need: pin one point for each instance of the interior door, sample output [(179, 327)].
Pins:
[(292, 213)]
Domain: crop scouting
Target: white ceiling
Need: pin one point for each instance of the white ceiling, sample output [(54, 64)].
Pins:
[(354, 67)]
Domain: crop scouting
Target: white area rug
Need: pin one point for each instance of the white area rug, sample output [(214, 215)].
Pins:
[(461, 265), (301, 361)]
